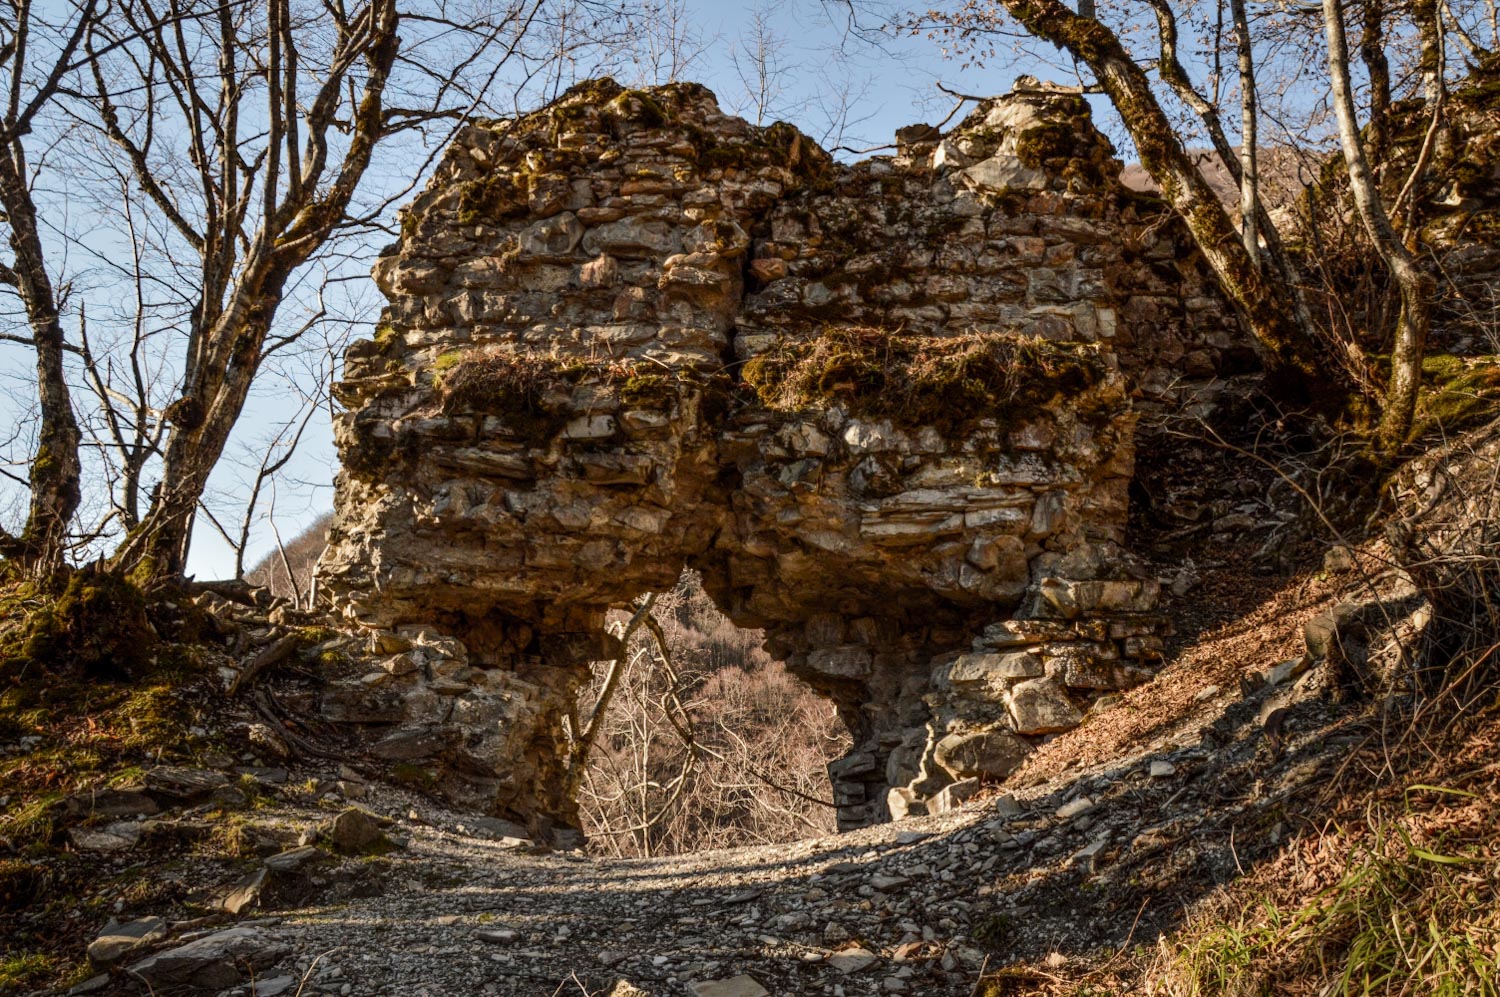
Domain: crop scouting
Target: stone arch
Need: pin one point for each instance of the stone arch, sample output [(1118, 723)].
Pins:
[(880, 407)]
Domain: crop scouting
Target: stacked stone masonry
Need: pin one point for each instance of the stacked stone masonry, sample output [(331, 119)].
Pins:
[(887, 411)]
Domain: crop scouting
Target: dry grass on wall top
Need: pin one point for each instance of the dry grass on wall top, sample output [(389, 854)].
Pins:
[(950, 382), (526, 385)]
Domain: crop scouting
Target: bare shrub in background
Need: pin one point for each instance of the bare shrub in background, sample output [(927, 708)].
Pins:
[(288, 570), (714, 747)]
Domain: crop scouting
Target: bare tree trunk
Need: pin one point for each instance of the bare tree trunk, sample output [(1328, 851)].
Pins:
[(1290, 346), (1249, 175), (1170, 67), (1372, 54), (55, 468), (1416, 288), (301, 203), (56, 471)]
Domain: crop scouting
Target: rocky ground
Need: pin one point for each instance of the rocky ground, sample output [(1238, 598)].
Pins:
[(349, 885)]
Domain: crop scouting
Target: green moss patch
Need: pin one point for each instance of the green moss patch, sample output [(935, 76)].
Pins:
[(97, 627), (1457, 393), (946, 382)]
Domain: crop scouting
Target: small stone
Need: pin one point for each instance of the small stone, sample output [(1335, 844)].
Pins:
[(1087, 857), (117, 941), (1162, 769), (852, 959), (734, 986), (1075, 808), (884, 882), (496, 828), (1006, 805), (245, 893), (952, 796), (110, 838), (183, 783), (893, 984), (215, 961), (1338, 559), (120, 802), (354, 830), (272, 986), (292, 859), (498, 936)]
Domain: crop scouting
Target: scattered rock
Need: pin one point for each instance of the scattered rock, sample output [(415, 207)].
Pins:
[(218, 960), (852, 959), (245, 893), (499, 936), (186, 784), (354, 831), (735, 986), (116, 802), (293, 859), (952, 796), (111, 838), (117, 941), (1075, 808), (1162, 769)]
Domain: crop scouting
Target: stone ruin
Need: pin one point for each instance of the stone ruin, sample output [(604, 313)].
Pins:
[(886, 410)]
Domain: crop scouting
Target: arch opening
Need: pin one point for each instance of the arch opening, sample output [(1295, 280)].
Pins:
[(704, 740)]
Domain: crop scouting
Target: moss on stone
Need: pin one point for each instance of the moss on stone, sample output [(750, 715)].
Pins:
[(493, 198), (529, 391), (1457, 393), (639, 107), (949, 383), (1041, 145)]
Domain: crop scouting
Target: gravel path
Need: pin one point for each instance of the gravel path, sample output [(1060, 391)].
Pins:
[(886, 909)]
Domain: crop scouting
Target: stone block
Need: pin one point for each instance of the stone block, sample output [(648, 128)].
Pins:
[(992, 754), (1039, 706), (848, 661)]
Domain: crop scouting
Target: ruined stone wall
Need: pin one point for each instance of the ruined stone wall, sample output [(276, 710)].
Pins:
[(885, 409)]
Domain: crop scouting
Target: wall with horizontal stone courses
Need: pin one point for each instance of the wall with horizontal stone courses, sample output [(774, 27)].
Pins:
[(570, 397)]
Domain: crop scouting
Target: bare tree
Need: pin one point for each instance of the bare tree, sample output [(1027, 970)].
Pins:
[(1416, 287), (246, 131), (665, 46), (37, 51), (697, 739), (1252, 266), (762, 65)]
